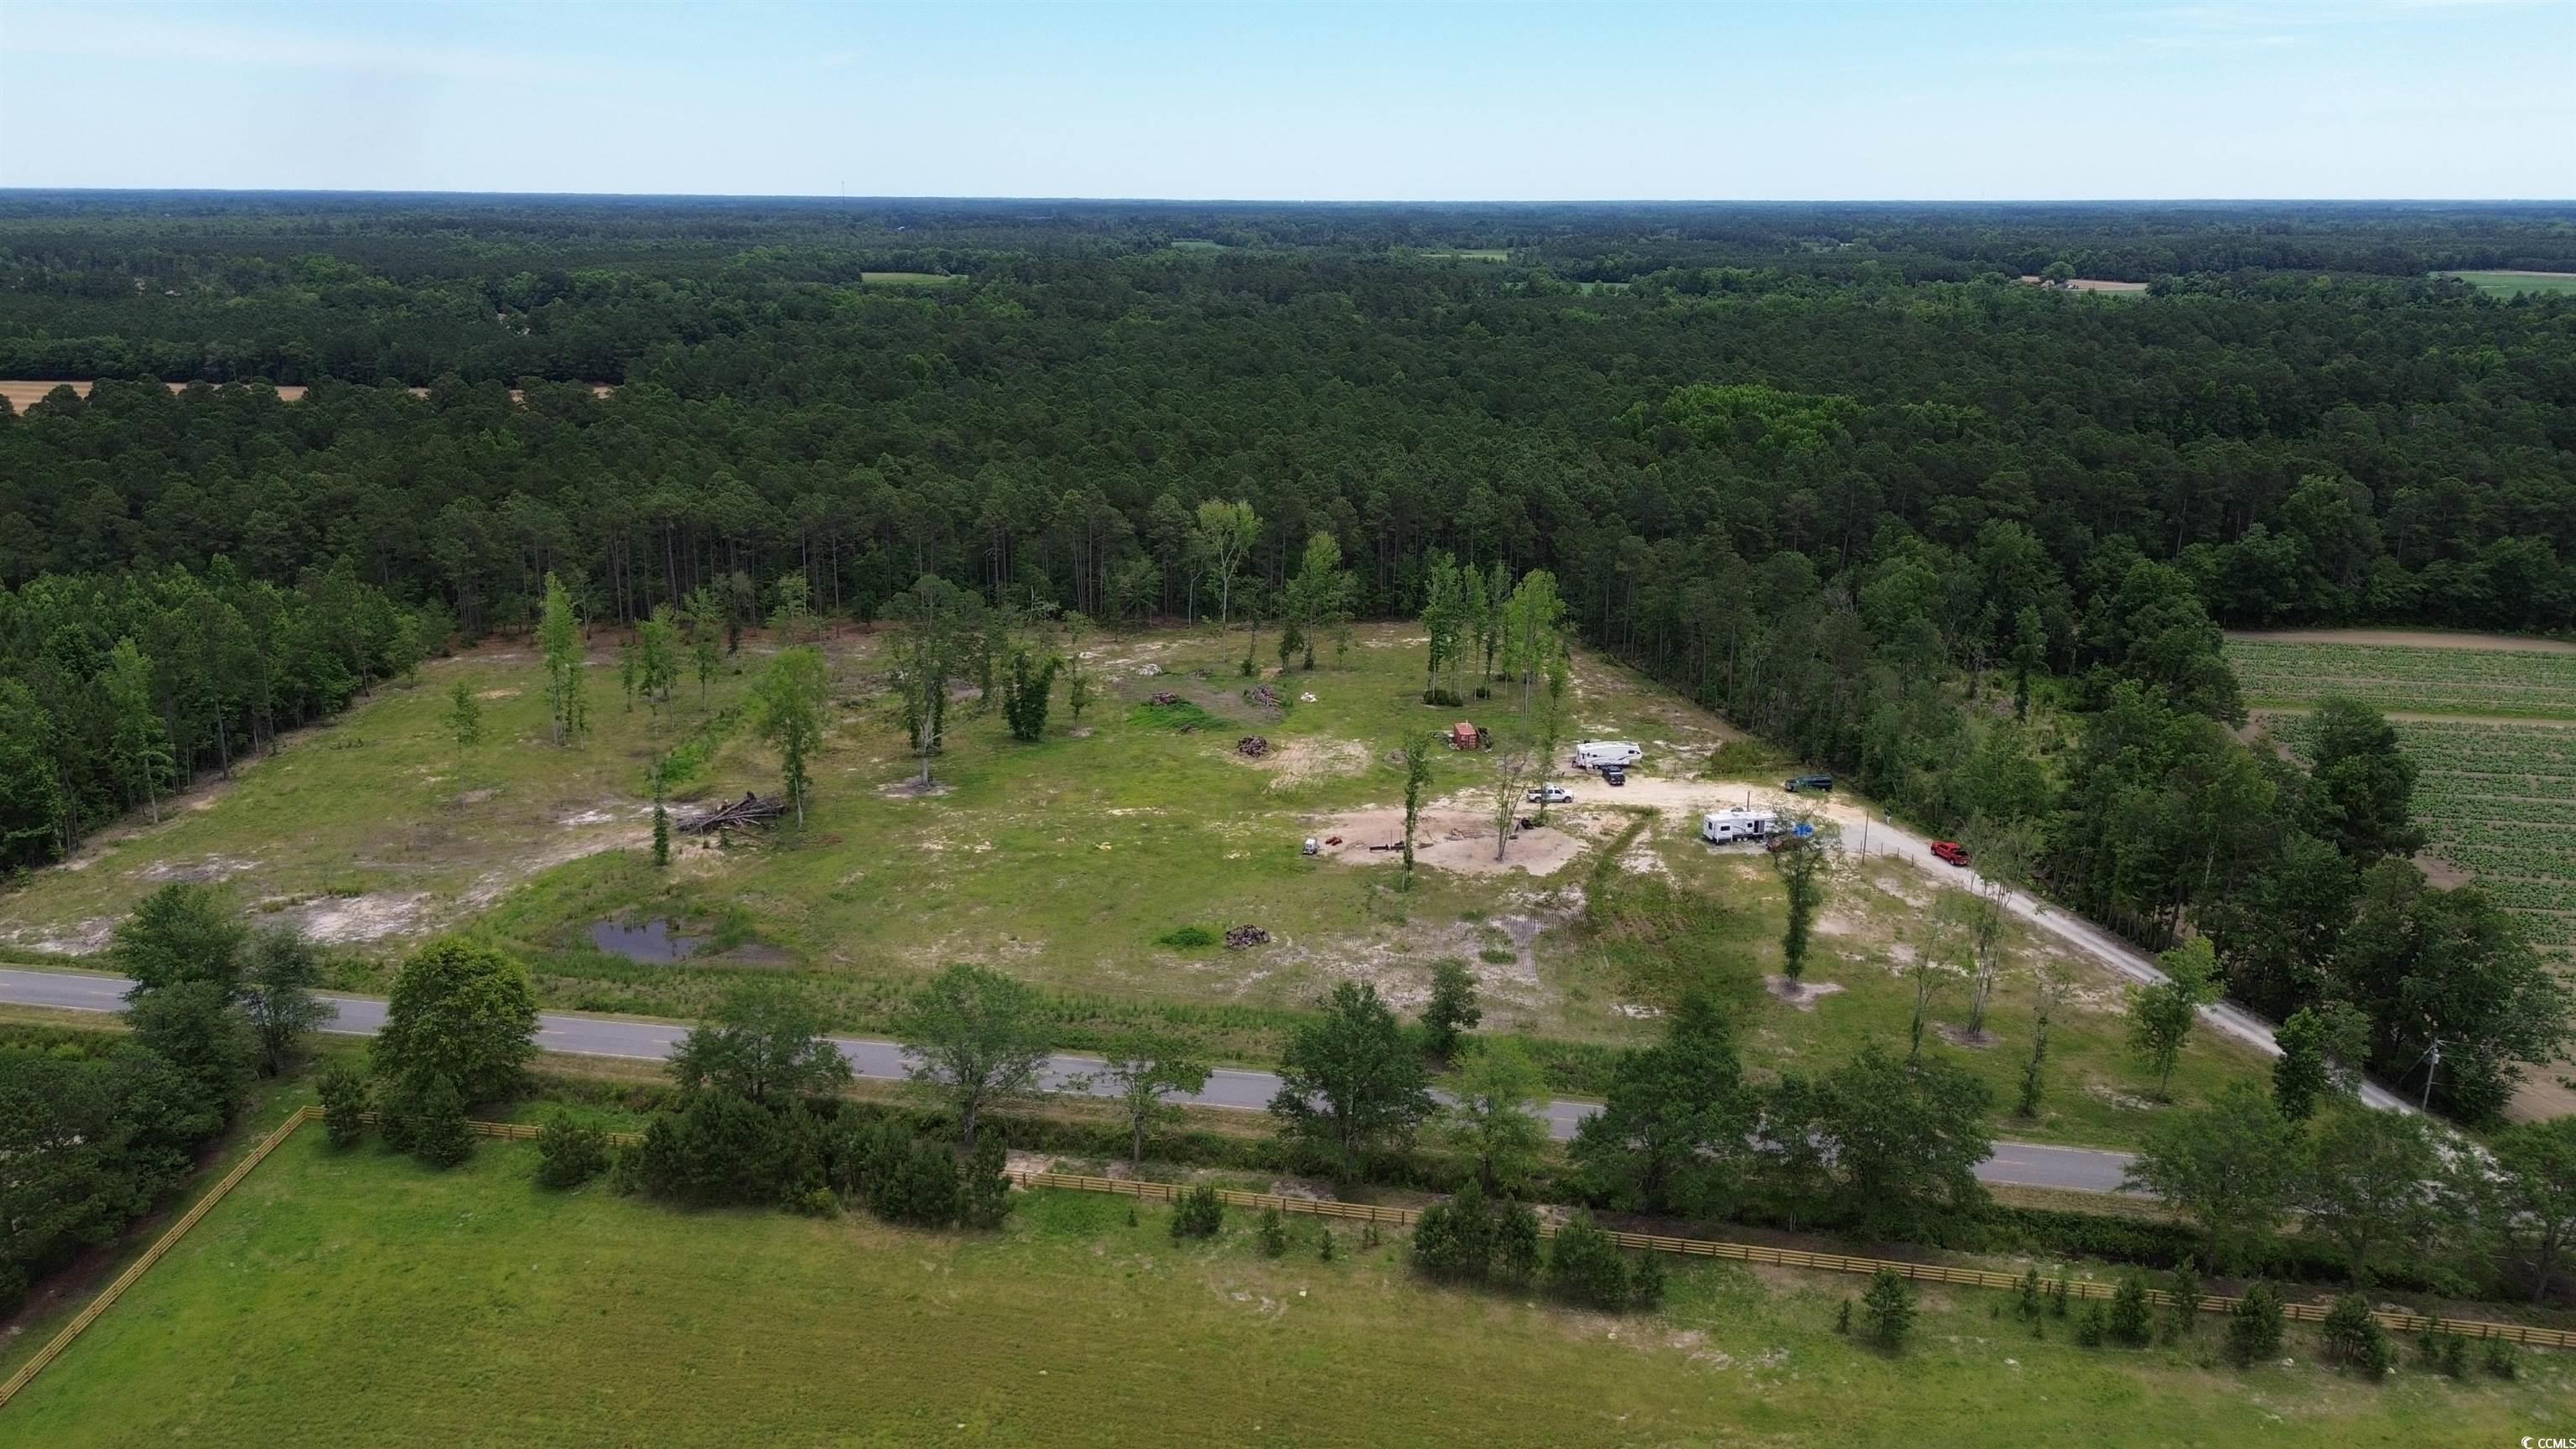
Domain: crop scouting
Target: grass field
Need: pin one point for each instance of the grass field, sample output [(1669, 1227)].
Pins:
[(1063, 861), (339, 1299), (2507, 284)]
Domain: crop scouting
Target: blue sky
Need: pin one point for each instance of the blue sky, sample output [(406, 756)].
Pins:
[(1426, 101)]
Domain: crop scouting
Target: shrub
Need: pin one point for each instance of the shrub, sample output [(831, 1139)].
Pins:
[(815, 1202), (922, 1189), (344, 1096), (434, 1123), (2254, 1325), (2132, 1320), (2057, 1294), (1516, 1254), (2034, 1297), (1453, 1241), (2185, 1290), (720, 1148), (1888, 1304), (570, 1153), (1842, 1316), (987, 1188), (1442, 698), (1273, 1232), (1199, 1214), (1646, 1283), (1186, 938), (2442, 1350), (2500, 1358), (1585, 1266), (1329, 1247), (2354, 1339), (2092, 1326)]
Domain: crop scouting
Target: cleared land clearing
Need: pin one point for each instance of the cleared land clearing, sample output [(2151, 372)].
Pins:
[(24, 392), (349, 1297), (1467, 254), (2508, 282), (2472, 677), (2090, 284), (1063, 863), (911, 279)]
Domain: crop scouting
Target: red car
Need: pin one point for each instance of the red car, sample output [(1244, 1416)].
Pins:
[(1951, 851)]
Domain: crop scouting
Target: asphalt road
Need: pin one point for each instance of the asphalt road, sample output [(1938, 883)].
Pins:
[(2022, 1163)]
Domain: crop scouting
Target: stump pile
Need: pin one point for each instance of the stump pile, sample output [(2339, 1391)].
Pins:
[(1252, 747), (1242, 936)]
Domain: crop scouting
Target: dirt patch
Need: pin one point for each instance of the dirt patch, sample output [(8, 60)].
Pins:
[(212, 868), (339, 920), (2416, 638), (1452, 840), (477, 797), (911, 788), (1801, 994), (1960, 1036), (1296, 762), (496, 694), (87, 938)]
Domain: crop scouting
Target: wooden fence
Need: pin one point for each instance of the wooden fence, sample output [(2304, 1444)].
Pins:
[(107, 1297), (1358, 1212), (1792, 1257)]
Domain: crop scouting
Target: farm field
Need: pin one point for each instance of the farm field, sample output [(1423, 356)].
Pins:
[(2511, 283), (359, 1298), (2490, 722), (1063, 862), (2468, 678), (2499, 801)]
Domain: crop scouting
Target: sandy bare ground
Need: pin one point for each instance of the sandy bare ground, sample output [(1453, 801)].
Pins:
[(2414, 638), (2414, 716), (1452, 839), (23, 391), (2089, 284), (1294, 762)]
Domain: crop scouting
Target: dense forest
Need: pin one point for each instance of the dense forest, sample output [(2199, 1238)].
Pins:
[(1835, 471)]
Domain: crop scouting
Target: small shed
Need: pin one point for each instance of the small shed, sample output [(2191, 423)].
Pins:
[(1464, 736)]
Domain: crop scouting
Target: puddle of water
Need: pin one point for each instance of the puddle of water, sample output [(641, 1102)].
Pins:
[(652, 941)]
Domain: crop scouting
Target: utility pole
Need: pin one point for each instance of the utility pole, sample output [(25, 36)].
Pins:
[(2436, 1065)]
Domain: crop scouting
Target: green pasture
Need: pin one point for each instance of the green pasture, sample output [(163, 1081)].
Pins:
[(339, 1298), (2509, 284)]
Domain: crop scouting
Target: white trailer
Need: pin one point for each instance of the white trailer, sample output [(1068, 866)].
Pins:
[(1721, 827), (1593, 754)]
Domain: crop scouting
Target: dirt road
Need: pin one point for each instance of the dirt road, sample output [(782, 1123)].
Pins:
[(1864, 834)]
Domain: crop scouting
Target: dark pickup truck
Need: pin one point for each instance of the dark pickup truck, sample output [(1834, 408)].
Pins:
[(1822, 784)]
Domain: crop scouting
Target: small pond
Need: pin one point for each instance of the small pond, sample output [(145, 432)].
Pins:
[(656, 940)]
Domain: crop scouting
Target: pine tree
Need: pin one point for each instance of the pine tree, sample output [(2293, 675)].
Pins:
[(559, 636)]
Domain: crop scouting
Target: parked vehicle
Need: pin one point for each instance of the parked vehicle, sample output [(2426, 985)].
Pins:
[(1951, 851), (1799, 784), (1593, 754), (1551, 795), (1613, 775), (1721, 827)]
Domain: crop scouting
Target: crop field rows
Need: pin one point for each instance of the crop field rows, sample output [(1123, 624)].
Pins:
[(2499, 801), (2415, 678)]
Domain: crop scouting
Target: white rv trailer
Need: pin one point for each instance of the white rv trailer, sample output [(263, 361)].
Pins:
[(1719, 827), (1593, 754)]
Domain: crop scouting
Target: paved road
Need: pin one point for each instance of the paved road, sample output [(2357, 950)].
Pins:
[(2022, 1163)]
